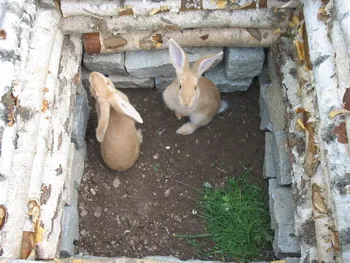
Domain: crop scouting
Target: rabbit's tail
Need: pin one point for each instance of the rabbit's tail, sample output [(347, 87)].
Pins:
[(223, 106)]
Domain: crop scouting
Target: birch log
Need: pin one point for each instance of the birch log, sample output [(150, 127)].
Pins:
[(334, 158), (264, 18), (342, 65), (107, 42), (59, 147), (342, 9), (101, 8), (11, 60), (30, 99), (9, 19)]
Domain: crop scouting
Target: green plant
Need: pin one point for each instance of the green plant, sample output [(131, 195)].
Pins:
[(237, 220)]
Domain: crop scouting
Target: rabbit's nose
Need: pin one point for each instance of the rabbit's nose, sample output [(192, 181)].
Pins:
[(187, 103)]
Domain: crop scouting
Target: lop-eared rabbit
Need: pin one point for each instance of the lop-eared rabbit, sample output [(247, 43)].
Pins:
[(190, 94), (116, 131)]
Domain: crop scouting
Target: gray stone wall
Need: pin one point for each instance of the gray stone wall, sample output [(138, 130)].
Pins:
[(148, 69), (277, 168)]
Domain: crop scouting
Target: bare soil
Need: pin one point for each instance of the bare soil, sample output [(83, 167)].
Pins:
[(139, 212)]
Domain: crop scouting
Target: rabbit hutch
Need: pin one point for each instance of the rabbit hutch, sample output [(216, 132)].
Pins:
[(281, 143)]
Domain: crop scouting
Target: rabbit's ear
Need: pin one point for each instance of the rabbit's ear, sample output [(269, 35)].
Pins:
[(204, 63), (177, 56), (124, 107), (103, 118)]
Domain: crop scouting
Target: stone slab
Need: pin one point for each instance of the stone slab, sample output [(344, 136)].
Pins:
[(272, 190), (79, 165), (292, 260), (281, 157), (80, 120), (243, 62), (282, 205), (224, 84), (269, 170), (131, 82), (276, 107), (156, 63), (162, 83), (107, 64), (70, 228), (286, 242), (264, 84)]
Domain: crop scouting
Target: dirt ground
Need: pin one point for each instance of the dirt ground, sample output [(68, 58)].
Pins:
[(139, 212)]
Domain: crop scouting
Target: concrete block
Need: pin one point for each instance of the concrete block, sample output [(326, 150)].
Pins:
[(272, 190), (107, 64), (269, 170), (243, 62), (80, 119), (285, 242), (156, 63), (276, 107), (70, 228), (264, 83), (224, 84), (131, 82), (163, 82), (281, 156)]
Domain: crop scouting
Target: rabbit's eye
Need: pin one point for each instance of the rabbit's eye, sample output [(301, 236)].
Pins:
[(195, 87), (180, 87)]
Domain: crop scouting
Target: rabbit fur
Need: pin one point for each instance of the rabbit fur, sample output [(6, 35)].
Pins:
[(116, 131), (190, 94)]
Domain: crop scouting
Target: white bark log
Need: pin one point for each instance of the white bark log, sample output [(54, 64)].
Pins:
[(264, 18), (10, 24), (342, 64), (45, 120), (59, 143), (333, 156), (342, 8), (88, 8), (30, 97), (16, 24), (211, 37), (323, 222)]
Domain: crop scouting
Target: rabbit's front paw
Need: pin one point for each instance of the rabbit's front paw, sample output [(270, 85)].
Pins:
[(178, 115), (187, 128)]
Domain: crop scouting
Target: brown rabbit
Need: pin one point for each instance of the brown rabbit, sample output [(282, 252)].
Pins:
[(116, 131), (190, 94)]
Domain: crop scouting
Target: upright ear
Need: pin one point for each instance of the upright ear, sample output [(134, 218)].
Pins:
[(203, 64), (103, 118), (177, 56), (124, 107)]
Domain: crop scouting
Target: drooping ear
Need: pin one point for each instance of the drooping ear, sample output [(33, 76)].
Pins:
[(205, 63), (103, 118), (177, 56), (124, 107)]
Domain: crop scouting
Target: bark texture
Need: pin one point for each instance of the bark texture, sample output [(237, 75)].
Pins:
[(263, 18), (107, 42)]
